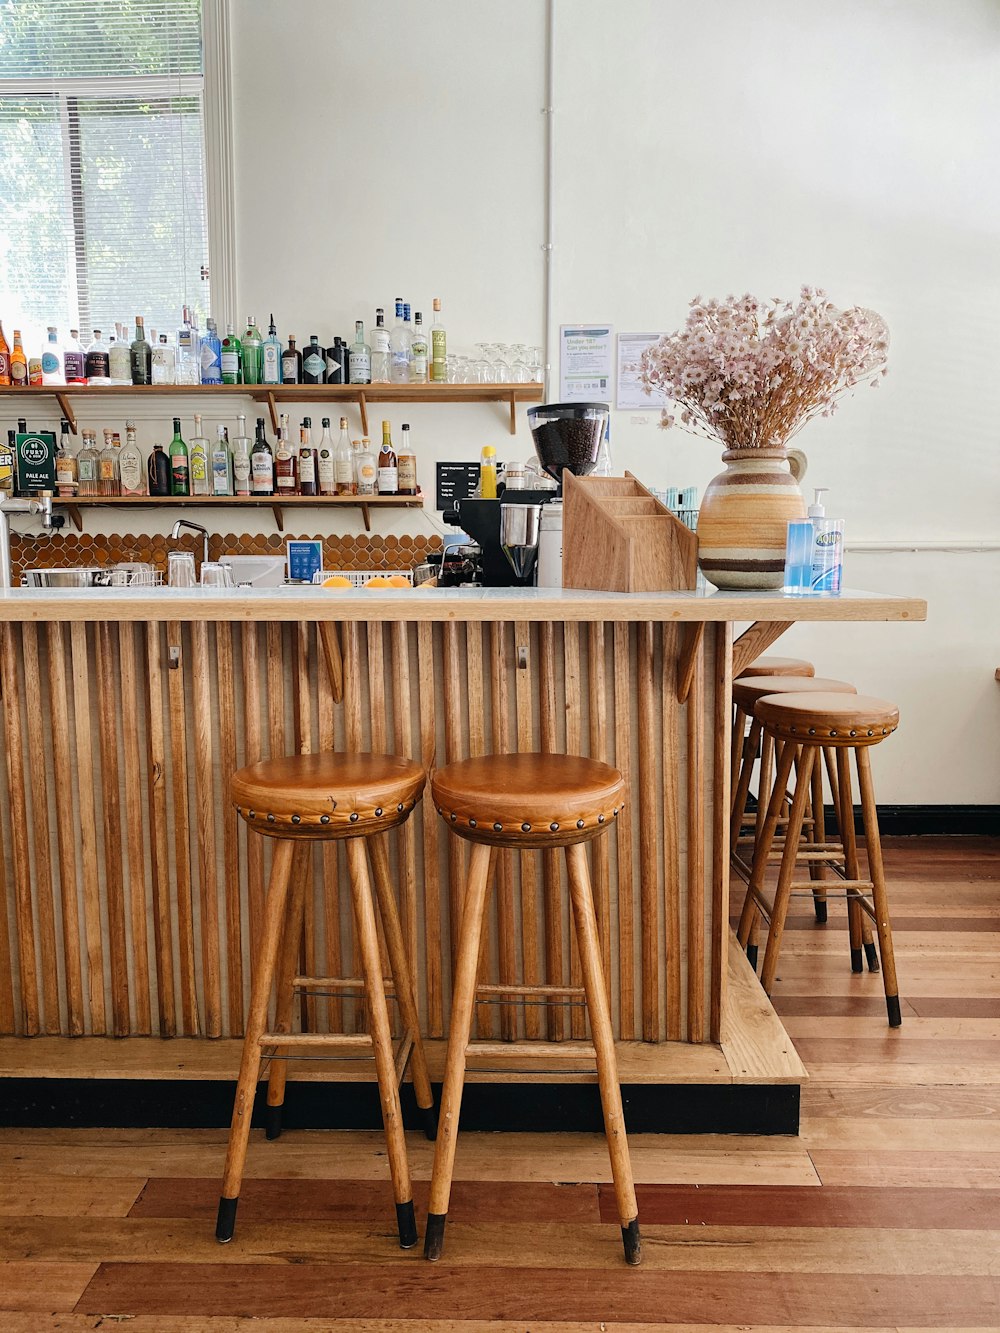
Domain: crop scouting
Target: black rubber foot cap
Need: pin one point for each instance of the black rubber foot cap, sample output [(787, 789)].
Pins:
[(892, 1005), (820, 905), (752, 956), (872, 957), (272, 1122), (434, 1236), (632, 1242), (225, 1223), (429, 1119), (856, 964), (407, 1225)]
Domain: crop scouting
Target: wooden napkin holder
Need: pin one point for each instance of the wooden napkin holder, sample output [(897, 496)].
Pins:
[(617, 537)]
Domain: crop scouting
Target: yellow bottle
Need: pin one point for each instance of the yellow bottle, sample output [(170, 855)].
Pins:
[(488, 473)]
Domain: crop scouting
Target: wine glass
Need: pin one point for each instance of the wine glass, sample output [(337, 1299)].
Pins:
[(520, 371), (481, 370)]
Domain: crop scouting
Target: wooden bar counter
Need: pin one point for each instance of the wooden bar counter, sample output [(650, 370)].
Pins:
[(134, 896)]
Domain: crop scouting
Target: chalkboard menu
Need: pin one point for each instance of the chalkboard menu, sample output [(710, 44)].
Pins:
[(455, 481)]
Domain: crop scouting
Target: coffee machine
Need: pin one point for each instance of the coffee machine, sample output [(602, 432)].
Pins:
[(566, 436)]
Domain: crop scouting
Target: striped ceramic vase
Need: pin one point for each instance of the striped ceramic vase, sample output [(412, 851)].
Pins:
[(744, 517)]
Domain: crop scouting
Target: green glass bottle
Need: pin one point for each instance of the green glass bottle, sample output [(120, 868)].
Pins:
[(180, 483), (232, 358), (252, 353)]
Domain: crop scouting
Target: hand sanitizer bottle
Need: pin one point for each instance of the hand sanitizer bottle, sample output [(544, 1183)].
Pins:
[(827, 556)]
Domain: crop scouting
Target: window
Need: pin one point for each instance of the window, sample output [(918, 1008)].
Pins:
[(102, 164)]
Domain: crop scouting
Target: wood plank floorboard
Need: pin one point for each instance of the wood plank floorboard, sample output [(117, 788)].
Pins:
[(882, 1216)]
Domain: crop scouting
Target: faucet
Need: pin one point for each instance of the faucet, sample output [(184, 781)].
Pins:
[(175, 532), (8, 505)]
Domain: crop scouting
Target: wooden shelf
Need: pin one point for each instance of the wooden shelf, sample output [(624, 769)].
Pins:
[(272, 394), (276, 503)]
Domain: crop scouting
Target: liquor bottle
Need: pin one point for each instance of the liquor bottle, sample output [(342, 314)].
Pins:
[(418, 350), (291, 363), (211, 355), (86, 466), (188, 368), (336, 363), (242, 445), (18, 363), (388, 471), (74, 359), (360, 357), (180, 482), (52, 362), (164, 362), (285, 462), (158, 471), (407, 464), (313, 362), (35, 371), (252, 349), (399, 348), (119, 360), (343, 462), (66, 469), (365, 470), (141, 355), (108, 472), (261, 464), (270, 362), (4, 358), (97, 363), (325, 474), (222, 465), (232, 358), (307, 459), (198, 461), (439, 347), (8, 467), (131, 472), (380, 349)]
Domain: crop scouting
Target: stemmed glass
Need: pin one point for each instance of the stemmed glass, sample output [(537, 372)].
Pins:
[(520, 372), (501, 363), (481, 371)]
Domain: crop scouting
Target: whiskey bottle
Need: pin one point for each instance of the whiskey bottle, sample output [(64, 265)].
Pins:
[(388, 471), (307, 459), (325, 475), (407, 464), (198, 461), (131, 472), (180, 478), (285, 462), (261, 464)]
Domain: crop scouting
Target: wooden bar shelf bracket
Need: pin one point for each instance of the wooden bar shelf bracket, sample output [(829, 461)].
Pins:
[(66, 408)]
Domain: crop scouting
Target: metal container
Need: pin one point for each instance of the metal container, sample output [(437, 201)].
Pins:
[(519, 536), (67, 578)]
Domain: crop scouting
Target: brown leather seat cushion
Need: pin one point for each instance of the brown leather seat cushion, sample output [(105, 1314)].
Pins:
[(779, 666), (747, 692), (528, 800), (828, 719), (327, 795)]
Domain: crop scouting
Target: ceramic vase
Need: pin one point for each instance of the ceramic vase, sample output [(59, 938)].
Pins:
[(743, 519)]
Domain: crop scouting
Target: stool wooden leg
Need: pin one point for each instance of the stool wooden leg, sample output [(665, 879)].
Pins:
[(402, 980), (381, 1034), (463, 997), (260, 994), (817, 870), (604, 1044), (285, 1003), (738, 744), (880, 899), (858, 923), (786, 874), (741, 786), (764, 783), (762, 844)]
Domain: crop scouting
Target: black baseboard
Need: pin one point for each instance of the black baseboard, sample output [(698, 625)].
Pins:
[(913, 821), (650, 1108)]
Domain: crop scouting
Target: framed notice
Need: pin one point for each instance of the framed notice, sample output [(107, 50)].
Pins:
[(586, 362), (631, 394)]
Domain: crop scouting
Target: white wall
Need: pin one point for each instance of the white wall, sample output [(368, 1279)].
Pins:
[(699, 149)]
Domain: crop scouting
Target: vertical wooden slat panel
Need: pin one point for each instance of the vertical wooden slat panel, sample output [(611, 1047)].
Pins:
[(721, 799), (453, 750), (696, 850), (136, 819), (253, 748), (275, 671), (528, 860), (8, 1022), (551, 860), (648, 869), (201, 699), (432, 891), (626, 888), (353, 731), (20, 857), (598, 718), (475, 693), (303, 745), (177, 677), (403, 745), (228, 763), (88, 839), (62, 762), (44, 891), (331, 883), (574, 745), (671, 720), (506, 921), (107, 710), (157, 770)]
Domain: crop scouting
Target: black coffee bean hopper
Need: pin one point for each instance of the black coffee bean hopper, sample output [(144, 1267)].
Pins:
[(566, 436)]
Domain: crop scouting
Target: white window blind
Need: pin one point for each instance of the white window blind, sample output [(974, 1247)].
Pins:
[(102, 164)]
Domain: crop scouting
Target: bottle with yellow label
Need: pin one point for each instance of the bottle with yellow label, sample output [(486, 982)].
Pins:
[(488, 473)]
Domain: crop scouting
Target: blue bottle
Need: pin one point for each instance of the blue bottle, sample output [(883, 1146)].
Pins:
[(211, 356), (798, 558)]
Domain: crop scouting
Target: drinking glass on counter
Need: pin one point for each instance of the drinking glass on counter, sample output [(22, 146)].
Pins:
[(180, 569), (214, 574)]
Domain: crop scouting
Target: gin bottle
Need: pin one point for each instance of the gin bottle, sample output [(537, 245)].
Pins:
[(141, 355), (232, 358), (242, 445), (211, 355), (97, 365), (66, 469), (222, 465), (131, 471), (380, 349), (270, 365), (360, 358), (313, 362), (52, 361), (399, 348), (86, 465), (74, 359), (198, 461), (252, 348), (418, 351)]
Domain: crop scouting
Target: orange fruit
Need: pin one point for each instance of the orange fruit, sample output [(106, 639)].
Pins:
[(377, 582), (337, 581), (398, 581)]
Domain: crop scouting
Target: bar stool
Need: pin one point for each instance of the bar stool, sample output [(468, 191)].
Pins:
[(299, 801), (803, 724), (763, 666), (527, 801)]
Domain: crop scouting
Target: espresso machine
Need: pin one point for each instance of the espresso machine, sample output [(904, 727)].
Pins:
[(566, 436)]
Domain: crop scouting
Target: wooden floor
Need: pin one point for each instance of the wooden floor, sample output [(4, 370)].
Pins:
[(884, 1214)]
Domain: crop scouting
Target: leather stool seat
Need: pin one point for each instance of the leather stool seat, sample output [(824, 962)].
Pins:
[(778, 666), (828, 719), (528, 800), (747, 692)]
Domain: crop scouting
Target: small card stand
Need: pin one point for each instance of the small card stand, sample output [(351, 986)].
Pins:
[(617, 537)]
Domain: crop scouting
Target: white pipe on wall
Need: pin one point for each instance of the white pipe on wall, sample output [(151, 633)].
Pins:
[(548, 111)]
